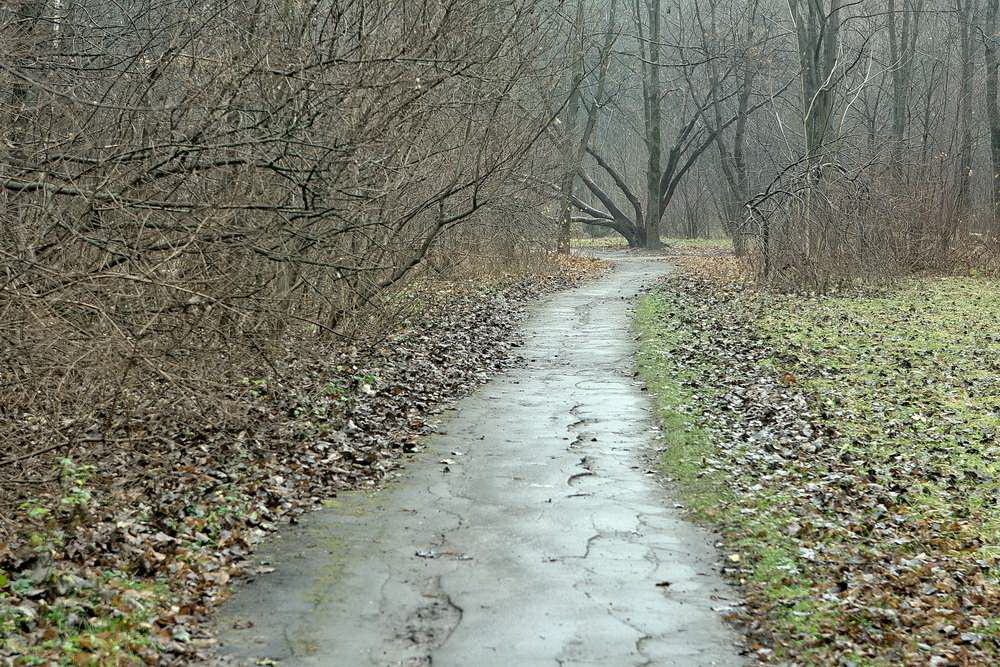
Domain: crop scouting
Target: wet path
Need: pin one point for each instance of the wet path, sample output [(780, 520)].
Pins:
[(541, 542)]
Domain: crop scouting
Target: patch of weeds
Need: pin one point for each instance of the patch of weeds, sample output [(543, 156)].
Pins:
[(694, 246), (206, 522), (681, 245), (107, 621), (612, 241), (257, 387), (60, 614)]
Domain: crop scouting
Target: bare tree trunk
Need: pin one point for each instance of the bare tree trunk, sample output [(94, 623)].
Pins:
[(570, 153), (652, 93), (818, 34), (963, 177), (733, 159), (992, 104), (26, 30), (903, 31), (574, 144)]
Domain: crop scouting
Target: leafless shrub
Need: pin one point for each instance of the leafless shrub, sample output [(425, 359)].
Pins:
[(186, 185), (836, 229)]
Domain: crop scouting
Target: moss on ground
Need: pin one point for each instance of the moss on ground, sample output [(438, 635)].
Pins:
[(686, 443)]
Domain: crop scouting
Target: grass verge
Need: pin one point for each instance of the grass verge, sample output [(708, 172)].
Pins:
[(683, 393), (671, 245), (846, 447), (686, 444)]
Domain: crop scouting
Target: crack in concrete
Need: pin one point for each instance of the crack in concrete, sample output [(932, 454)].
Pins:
[(573, 479), (428, 626), (579, 441), (529, 444), (644, 635), (458, 621), (289, 642)]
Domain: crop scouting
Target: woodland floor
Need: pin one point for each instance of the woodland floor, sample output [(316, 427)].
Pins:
[(847, 446), (529, 531), (118, 557)]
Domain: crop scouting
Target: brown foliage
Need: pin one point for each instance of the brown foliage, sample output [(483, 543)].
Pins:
[(843, 229), (183, 190)]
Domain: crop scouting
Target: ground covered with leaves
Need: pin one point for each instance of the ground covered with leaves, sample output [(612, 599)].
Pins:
[(671, 246), (113, 549), (847, 447)]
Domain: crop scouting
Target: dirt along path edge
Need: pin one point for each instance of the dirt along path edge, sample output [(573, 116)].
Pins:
[(530, 532)]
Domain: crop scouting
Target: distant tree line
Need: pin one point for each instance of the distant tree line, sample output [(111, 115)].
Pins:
[(862, 133)]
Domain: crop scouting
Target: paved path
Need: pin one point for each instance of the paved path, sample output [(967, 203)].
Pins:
[(542, 544)]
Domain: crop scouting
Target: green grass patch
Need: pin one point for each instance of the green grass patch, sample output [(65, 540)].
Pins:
[(616, 241), (613, 241), (847, 447), (687, 445), (698, 244), (910, 377), (765, 556)]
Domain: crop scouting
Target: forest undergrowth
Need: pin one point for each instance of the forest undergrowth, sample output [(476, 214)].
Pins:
[(846, 446), (114, 549)]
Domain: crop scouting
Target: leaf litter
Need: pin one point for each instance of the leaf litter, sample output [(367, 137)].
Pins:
[(845, 447), (120, 557)]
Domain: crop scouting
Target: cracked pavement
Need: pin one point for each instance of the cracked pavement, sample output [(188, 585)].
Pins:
[(546, 542)]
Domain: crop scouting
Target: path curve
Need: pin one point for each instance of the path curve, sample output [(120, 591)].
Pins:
[(544, 543)]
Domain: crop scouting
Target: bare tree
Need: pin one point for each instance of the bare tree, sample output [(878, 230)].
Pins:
[(741, 46), (672, 143), (817, 26), (965, 11), (904, 29), (990, 37), (574, 142)]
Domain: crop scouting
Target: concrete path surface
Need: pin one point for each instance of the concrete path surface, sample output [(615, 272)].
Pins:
[(542, 541)]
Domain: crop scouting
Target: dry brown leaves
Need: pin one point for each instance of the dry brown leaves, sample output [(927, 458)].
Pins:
[(174, 506), (717, 269), (843, 562)]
